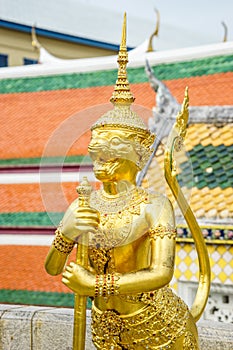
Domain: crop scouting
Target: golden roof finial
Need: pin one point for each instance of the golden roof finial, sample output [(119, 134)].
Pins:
[(155, 33), (35, 42), (122, 93), (225, 31)]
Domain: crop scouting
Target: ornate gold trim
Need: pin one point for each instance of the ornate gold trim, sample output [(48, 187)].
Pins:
[(61, 244), (162, 231)]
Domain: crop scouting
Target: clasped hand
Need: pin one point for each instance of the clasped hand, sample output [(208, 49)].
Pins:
[(78, 221), (79, 279)]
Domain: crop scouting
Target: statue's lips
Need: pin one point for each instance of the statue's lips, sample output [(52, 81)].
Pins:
[(107, 166)]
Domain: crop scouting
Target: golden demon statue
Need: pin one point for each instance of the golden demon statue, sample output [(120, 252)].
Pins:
[(126, 239)]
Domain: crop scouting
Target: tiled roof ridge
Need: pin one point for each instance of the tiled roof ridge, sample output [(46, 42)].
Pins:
[(137, 59), (211, 115), (106, 77)]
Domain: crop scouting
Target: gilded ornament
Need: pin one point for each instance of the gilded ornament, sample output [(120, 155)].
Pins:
[(61, 244), (162, 231)]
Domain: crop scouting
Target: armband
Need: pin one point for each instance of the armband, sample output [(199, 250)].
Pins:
[(161, 231)]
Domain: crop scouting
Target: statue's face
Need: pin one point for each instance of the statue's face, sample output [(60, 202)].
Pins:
[(113, 153)]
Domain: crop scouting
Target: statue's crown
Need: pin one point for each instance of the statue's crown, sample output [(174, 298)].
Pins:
[(121, 116)]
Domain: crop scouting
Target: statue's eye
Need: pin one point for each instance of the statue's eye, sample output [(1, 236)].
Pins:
[(115, 141)]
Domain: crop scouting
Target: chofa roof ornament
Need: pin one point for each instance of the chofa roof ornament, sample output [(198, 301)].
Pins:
[(155, 33)]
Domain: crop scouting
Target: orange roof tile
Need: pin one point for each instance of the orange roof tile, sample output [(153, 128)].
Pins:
[(24, 270), (30, 119), (35, 197), (207, 90)]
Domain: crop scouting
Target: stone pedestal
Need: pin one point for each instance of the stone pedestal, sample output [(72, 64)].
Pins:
[(45, 328)]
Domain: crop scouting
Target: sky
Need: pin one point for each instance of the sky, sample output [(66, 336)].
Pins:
[(199, 21), (183, 23)]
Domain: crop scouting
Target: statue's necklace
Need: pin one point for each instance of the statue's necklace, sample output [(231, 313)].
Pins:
[(116, 213), (116, 216)]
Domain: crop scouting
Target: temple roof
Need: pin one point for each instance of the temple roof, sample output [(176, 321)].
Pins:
[(52, 100), (137, 57), (205, 172)]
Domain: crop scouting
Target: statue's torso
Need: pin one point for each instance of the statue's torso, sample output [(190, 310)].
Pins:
[(122, 243)]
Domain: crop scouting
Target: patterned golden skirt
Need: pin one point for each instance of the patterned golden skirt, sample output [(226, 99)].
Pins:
[(157, 325)]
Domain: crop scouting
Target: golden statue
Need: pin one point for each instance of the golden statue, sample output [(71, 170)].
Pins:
[(126, 238)]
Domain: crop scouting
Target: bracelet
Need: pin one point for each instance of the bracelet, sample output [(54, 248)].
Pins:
[(61, 244), (105, 285)]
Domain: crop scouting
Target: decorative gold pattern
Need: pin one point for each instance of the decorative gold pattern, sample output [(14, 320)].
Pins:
[(162, 231), (157, 325), (102, 258), (182, 121), (115, 224), (61, 244), (116, 214), (122, 117), (122, 93), (106, 285), (129, 200), (190, 342)]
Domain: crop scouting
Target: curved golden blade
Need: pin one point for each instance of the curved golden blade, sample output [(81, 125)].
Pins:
[(175, 141)]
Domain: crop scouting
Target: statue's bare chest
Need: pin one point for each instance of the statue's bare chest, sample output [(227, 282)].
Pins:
[(117, 243)]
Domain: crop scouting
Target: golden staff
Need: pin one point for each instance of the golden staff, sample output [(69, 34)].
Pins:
[(79, 332), (175, 141)]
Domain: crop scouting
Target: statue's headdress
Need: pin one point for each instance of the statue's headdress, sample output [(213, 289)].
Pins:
[(122, 116)]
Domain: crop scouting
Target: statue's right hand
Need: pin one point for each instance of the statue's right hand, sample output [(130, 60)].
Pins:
[(78, 221)]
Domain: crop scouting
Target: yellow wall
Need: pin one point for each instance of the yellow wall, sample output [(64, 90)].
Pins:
[(17, 46)]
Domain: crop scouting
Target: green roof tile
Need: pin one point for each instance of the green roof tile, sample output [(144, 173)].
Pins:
[(219, 158), (25, 219), (26, 297), (84, 159), (205, 66)]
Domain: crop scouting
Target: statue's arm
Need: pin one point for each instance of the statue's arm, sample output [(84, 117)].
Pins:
[(58, 254), (76, 222), (63, 242), (158, 275), (162, 255)]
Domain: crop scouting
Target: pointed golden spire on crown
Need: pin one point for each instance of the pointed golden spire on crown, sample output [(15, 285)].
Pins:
[(122, 93), (122, 117)]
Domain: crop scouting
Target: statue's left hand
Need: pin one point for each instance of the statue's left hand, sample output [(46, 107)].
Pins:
[(79, 280)]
